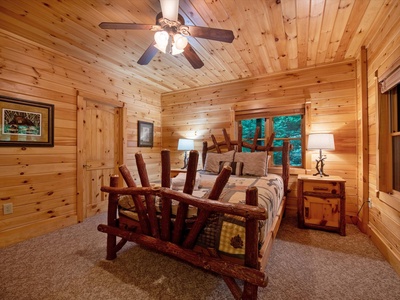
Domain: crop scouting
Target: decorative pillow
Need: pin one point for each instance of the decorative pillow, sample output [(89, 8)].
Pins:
[(266, 167), (237, 167), (254, 163), (213, 159)]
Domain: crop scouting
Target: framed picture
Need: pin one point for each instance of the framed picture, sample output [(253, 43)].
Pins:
[(26, 123), (145, 134)]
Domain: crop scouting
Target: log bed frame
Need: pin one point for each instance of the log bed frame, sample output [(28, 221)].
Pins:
[(177, 238)]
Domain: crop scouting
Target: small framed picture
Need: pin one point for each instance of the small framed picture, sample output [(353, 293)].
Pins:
[(145, 134), (26, 123)]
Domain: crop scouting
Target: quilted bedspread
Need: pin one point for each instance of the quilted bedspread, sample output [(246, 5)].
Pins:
[(226, 233)]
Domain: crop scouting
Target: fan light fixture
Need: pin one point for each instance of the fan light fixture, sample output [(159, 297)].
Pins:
[(185, 145), (170, 43), (320, 141)]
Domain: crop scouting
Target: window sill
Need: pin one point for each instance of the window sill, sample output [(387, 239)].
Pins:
[(293, 170), (393, 200)]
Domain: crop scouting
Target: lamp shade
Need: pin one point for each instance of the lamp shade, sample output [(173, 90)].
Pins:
[(318, 141), (185, 144)]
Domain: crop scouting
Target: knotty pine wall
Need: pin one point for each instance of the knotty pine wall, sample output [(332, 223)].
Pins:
[(382, 52), (41, 182), (331, 90)]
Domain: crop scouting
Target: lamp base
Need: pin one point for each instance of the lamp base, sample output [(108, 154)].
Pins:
[(185, 161), (320, 167)]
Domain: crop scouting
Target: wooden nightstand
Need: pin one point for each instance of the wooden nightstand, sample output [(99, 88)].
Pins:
[(175, 172), (321, 203)]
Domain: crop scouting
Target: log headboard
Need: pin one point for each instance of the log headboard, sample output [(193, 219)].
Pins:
[(227, 145)]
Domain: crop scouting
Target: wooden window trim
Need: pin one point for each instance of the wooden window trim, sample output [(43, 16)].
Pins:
[(241, 112), (384, 165)]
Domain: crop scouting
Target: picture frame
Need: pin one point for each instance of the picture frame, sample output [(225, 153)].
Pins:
[(145, 134), (26, 123)]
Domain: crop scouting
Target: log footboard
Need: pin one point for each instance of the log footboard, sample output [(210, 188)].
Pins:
[(176, 235)]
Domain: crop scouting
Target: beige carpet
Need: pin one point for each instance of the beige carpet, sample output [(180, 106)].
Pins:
[(305, 264)]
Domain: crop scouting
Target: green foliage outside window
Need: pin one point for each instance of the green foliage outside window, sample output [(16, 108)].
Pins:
[(284, 127), (288, 127)]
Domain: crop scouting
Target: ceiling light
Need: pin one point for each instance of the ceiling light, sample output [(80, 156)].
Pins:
[(180, 41), (161, 38)]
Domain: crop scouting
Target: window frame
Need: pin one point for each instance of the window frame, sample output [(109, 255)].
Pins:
[(384, 148), (268, 114)]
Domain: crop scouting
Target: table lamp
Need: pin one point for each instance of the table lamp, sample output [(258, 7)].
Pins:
[(185, 145), (320, 141)]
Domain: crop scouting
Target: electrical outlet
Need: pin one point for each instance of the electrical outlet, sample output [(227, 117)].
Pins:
[(369, 203), (7, 208)]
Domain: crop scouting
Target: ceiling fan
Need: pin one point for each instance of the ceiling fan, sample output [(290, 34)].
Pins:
[(171, 34)]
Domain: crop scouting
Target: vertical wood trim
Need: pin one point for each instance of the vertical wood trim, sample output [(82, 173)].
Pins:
[(123, 146), (364, 141), (80, 138), (307, 130), (383, 146)]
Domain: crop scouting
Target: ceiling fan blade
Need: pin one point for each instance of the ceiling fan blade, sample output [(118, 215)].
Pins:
[(192, 57), (215, 34), (111, 25), (148, 55)]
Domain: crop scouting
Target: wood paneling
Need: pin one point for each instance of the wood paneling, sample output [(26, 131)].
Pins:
[(41, 183), (200, 112), (270, 36), (382, 51)]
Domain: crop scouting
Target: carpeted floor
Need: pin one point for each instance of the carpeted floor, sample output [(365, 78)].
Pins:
[(304, 264)]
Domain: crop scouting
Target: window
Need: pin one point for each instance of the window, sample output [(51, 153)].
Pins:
[(285, 127), (388, 179)]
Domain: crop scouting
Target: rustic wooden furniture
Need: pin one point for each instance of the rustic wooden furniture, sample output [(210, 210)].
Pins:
[(175, 172), (321, 203), (176, 235)]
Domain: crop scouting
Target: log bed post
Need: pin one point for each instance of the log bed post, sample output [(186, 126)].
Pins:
[(166, 202), (112, 220), (251, 245)]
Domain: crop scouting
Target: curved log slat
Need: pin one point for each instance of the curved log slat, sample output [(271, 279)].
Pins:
[(187, 189), (203, 214), (140, 209), (227, 139), (215, 144), (270, 141), (150, 204)]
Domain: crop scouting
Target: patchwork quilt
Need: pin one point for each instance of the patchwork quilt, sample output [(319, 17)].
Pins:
[(225, 233)]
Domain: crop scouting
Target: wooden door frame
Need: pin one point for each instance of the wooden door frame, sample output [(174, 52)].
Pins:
[(82, 98)]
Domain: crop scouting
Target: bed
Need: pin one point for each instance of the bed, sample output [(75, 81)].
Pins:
[(223, 219)]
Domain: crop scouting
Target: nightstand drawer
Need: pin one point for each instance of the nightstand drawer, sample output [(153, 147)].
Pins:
[(328, 187)]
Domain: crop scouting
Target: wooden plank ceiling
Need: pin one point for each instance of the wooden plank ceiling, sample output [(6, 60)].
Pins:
[(270, 35)]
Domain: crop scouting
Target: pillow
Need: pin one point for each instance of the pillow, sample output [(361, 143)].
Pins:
[(237, 167), (254, 163), (266, 167), (213, 159)]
